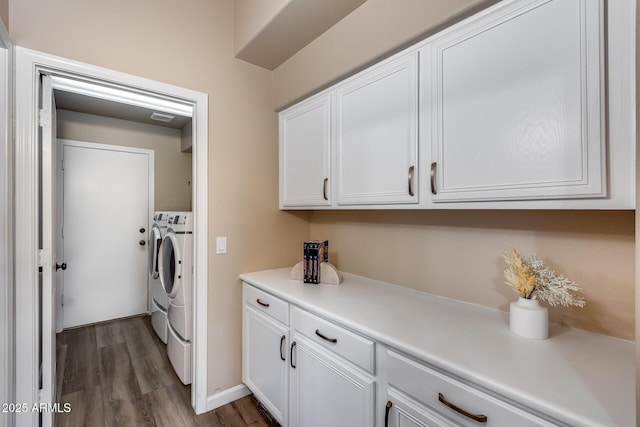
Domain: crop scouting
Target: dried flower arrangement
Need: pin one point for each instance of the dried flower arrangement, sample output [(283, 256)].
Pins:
[(532, 280)]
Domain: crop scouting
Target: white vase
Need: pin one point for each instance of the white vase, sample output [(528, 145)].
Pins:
[(529, 319)]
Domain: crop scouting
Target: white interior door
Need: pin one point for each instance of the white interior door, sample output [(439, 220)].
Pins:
[(107, 207), (47, 253)]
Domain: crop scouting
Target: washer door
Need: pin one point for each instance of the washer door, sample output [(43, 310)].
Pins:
[(170, 264), (155, 240)]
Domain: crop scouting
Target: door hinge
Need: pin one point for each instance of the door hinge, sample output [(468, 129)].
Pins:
[(44, 118), (44, 258), (62, 164)]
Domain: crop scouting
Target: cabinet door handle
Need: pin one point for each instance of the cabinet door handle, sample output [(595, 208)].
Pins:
[(433, 178), (293, 344), (264, 304), (474, 417), (326, 338), (411, 181), (386, 413), (282, 338), (324, 188)]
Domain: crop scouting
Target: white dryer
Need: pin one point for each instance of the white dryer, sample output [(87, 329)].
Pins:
[(175, 269), (159, 298)]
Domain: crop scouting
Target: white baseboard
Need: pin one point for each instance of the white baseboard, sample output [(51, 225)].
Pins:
[(226, 396)]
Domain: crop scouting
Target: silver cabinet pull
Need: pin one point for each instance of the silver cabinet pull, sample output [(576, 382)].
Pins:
[(474, 417), (324, 188), (433, 178), (411, 181), (326, 338)]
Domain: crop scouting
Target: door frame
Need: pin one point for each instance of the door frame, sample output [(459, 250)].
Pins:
[(7, 379), (62, 142), (29, 65)]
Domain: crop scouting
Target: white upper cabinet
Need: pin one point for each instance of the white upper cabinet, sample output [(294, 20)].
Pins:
[(305, 153), (377, 135), (516, 107), (516, 104)]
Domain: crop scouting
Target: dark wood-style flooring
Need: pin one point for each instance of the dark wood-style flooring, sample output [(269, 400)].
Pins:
[(118, 374)]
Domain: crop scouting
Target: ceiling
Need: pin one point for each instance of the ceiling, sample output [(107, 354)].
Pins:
[(116, 110)]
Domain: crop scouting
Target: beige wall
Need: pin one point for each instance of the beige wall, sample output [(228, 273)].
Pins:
[(172, 167), (192, 46), (370, 32), (458, 254)]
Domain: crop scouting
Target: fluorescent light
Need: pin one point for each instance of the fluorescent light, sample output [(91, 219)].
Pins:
[(123, 96)]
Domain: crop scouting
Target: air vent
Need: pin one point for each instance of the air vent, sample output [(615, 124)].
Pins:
[(161, 117)]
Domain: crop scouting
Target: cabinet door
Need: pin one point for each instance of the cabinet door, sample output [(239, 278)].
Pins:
[(305, 152), (264, 367), (517, 104), (405, 412), (376, 135), (326, 391)]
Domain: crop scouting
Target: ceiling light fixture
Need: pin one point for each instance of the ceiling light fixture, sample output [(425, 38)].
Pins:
[(122, 95)]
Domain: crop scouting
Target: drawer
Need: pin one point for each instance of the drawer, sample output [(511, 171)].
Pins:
[(353, 347), (427, 386), (266, 303)]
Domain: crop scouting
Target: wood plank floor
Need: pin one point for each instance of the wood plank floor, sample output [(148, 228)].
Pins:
[(118, 374)]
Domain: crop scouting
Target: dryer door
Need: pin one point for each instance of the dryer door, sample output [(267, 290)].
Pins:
[(170, 264), (155, 240)]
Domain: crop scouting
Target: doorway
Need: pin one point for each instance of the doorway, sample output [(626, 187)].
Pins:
[(29, 257)]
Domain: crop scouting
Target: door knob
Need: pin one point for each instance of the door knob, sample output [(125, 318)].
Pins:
[(142, 242), (62, 266), (142, 230)]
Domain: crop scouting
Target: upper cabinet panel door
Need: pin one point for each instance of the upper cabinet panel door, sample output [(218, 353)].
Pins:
[(305, 153), (377, 135), (517, 104)]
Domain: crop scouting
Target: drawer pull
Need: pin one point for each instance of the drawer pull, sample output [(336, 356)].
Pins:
[(386, 413), (264, 304), (326, 338), (293, 344), (281, 352), (474, 417)]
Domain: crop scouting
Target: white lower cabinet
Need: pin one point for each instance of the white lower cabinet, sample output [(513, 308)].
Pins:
[(316, 379), (264, 356), (326, 391), (402, 411), (441, 400), (311, 372)]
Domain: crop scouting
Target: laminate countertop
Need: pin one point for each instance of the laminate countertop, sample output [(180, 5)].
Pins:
[(574, 376)]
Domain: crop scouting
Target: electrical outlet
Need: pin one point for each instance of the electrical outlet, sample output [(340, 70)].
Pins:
[(221, 245)]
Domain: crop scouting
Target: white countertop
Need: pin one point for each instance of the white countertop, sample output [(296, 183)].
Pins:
[(577, 377)]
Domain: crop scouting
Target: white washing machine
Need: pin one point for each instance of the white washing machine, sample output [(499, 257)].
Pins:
[(159, 298), (175, 269)]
